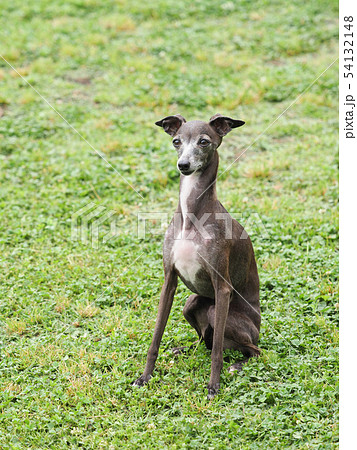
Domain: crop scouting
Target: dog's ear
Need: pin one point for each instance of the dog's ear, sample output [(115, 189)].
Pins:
[(223, 125), (171, 124)]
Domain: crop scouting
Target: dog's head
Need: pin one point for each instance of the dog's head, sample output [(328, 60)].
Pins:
[(196, 141)]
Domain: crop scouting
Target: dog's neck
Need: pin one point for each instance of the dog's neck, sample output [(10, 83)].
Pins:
[(198, 190)]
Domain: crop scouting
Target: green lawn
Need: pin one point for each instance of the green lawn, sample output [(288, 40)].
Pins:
[(77, 316)]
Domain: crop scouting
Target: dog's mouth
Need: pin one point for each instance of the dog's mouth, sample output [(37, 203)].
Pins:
[(190, 171), (187, 172)]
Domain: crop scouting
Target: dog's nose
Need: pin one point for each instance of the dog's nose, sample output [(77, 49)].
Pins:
[(185, 165)]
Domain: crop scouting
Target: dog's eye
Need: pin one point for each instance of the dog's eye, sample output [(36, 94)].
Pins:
[(176, 142), (204, 142)]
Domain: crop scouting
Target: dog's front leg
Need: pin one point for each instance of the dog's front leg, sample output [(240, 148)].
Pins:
[(166, 298), (223, 294)]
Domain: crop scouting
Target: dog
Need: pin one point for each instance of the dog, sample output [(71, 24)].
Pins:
[(210, 252)]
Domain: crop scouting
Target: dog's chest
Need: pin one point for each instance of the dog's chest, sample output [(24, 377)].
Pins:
[(186, 260)]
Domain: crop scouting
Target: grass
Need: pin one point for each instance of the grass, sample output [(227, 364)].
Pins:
[(76, 318)]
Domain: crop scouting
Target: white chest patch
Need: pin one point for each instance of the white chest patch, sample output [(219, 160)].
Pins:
[(184, 251), (186, 259)]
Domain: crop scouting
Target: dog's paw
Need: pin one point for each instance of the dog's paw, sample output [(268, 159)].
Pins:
[(177, 351), (141, 381), (237, 367), (212, 391)]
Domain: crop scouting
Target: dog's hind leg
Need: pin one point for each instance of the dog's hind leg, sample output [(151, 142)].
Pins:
[(196, 313), (240, 334)]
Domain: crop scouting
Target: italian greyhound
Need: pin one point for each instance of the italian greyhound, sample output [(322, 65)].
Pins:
[(209, 251)]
